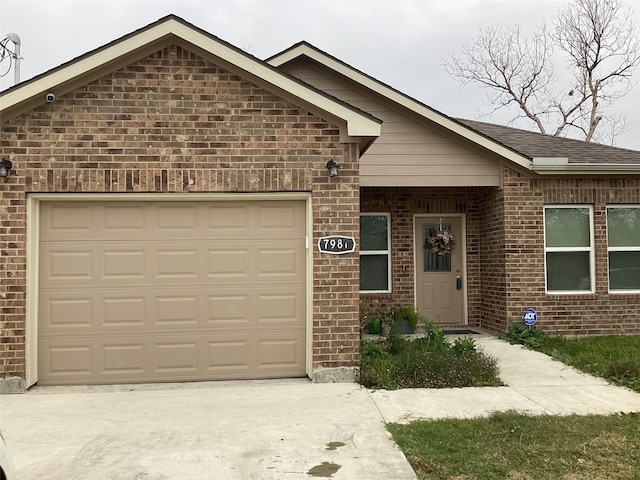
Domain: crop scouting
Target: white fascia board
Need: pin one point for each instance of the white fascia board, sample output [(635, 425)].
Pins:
[(402, 100), (587, 169), (98, 59), (358, 124), (560, 165)]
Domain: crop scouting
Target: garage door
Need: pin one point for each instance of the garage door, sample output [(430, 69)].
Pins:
[(158, 291)]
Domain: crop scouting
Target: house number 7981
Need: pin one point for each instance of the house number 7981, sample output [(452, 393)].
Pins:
[(336, 245)]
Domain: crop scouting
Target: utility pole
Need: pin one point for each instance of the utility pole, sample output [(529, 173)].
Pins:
[(15, 55)]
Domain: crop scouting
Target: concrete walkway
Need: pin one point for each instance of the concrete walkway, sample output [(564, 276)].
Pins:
[(276, 429), (536, 384)]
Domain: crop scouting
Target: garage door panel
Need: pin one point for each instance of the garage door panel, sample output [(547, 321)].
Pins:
[(172, 309), (176, 310), (181, 219), (171, 291), (279, 262), (232, 263), (125, 264), (281, 308), (71, 313), (123, 311), (230, 355), (177, 263), (175, 356), (71, 264), (123, 359), (68, 359), (122, 219), (277, 220), (230, 309), (64, 219), (229, 219), (279, 353)]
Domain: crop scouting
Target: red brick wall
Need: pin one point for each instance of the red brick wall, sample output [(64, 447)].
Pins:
[(336, 278), (493, 296), (597, 313), (505, 250), (403, 204), (173, 122)]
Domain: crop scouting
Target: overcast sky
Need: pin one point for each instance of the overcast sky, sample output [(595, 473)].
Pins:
[(401, 42)]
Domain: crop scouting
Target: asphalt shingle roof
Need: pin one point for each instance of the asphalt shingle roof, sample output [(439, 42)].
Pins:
[(532, 144)]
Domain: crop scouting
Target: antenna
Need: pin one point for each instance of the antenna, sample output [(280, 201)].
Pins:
[(15, 55)]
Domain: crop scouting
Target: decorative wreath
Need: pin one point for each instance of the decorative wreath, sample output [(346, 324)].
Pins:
[(441, 243)]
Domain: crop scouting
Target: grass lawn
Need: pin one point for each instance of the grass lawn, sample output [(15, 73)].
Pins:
[(517, 447), (614, 357)]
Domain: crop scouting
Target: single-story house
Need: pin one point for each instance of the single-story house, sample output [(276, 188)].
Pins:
[(170, 213)]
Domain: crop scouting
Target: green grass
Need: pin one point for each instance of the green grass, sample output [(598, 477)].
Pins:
[(614, 357), (517, 447), (428, 362)]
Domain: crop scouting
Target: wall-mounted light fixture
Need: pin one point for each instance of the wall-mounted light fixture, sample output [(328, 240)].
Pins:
[(5, 166), (333, 168)]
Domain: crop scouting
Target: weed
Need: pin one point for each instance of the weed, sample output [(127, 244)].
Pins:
[(426, 362), (527, 335), (463, 345)]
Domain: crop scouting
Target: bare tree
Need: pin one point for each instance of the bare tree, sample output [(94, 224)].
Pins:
[(602, 47)]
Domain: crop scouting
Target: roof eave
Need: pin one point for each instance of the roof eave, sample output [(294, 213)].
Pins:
[(356, 124), (306, 50), (588, 169), (561, 166)]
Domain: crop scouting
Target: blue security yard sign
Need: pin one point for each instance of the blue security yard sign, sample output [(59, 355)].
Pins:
[(530, 317)]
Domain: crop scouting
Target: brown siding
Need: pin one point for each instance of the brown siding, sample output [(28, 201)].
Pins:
[(173, 122), (408, 152)]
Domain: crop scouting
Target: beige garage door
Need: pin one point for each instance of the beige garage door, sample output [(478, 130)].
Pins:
[(158, 291)]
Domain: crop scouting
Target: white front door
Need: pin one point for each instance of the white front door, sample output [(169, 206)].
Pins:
[(439, 269)]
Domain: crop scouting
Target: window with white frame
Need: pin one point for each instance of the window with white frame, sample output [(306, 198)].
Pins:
[(623, 236), (568, 245), (375, 253)]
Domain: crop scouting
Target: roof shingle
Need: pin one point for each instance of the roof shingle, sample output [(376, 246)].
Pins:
[(533, 145)]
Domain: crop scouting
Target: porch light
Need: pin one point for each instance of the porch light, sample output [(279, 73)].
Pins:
[(5, 166), (333, 168)]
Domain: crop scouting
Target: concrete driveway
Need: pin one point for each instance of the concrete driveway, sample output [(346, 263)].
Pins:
[(278, 429)]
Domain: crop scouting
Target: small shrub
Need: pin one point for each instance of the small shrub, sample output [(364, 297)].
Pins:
[(520, 333), (463, 345), (410, 314), (426, 362)]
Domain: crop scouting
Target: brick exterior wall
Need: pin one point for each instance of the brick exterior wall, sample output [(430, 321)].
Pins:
[(505, 250), (598, 313), (493, 301), (174, 122), (403, 204)]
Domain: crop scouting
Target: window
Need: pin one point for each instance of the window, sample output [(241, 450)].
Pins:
[(568, 243), (623, 235), (375, 256)]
